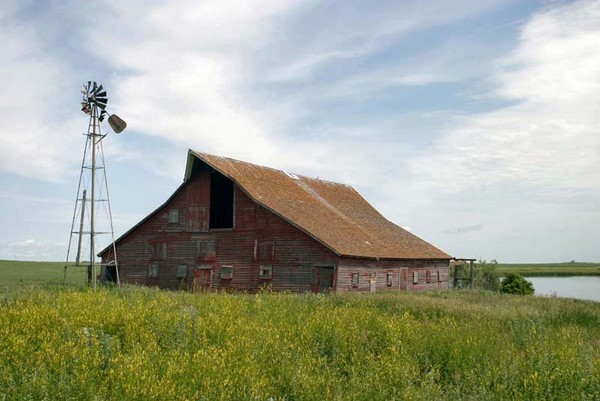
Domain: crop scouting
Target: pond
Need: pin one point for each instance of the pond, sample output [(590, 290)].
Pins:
[(578, 287)]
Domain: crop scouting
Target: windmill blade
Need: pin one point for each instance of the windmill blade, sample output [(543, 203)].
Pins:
[(101, 102), (94, 94)]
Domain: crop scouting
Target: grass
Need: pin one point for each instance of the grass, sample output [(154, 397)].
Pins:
[(19, 273), (145, 344), (67, 342), (550, 269)]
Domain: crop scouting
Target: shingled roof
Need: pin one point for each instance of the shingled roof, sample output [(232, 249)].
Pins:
[(334, 214)]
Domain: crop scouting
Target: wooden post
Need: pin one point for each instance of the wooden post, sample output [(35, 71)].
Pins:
[(83, 200), (471, 274), (456, 275)]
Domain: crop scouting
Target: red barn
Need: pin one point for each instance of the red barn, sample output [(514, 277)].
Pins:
[(233, 225)]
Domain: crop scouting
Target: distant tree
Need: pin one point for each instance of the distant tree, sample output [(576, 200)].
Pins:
[(514, 283), (486, 276)]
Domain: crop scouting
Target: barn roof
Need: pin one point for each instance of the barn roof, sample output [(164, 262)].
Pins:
[(334, 214)]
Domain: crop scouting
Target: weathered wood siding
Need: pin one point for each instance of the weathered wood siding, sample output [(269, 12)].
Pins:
[(175, 248), (391, 275), (233, 256)]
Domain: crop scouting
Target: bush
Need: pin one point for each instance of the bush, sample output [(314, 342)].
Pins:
[(486, 277), (514, 283)]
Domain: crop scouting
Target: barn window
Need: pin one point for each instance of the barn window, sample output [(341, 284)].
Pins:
[(264, 250), (428, 276), (159, 251), (221, 201), (416, 277), (226, 272), (174, 216), (153, 270), (182, 271), (355, 278), (439, 276), (205, 249), (389, 280), (265, 273)]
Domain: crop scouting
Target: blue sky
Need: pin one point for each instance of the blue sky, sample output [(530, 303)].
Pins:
[(475, 125)]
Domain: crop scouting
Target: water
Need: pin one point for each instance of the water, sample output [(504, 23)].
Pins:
[(578, 287)]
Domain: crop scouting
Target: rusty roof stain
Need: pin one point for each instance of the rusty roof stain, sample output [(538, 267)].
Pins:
[(334, 214)]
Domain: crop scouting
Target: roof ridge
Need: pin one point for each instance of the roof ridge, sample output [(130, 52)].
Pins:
[(273, 169)]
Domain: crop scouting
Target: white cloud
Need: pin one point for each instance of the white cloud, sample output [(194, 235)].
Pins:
[(550, 138), (34, 140), (32, 249), (185, 81), (533, 164)]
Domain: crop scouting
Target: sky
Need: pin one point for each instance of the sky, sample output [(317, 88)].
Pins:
[(473, 124)]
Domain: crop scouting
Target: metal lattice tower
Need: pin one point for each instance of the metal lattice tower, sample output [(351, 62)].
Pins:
[(93, 201)]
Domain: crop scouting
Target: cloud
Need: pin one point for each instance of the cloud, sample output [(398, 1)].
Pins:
[(531, 166), (549, 139), (34, 139), (186, 82), (363, 32), (32, 249), (464, 229)]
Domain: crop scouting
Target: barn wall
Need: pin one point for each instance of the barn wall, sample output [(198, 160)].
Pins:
[(400, 275), (229, 259)]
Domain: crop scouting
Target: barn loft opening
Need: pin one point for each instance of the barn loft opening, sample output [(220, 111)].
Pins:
[(221, 201)]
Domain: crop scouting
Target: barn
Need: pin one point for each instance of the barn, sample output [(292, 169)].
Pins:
[(237, 226)]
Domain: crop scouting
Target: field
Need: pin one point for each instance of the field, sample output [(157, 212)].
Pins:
[(18, 273), (70, 343), (550, 269)]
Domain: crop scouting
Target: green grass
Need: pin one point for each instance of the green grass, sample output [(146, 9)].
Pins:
[(550, 269), (145, 344), (19, 273)]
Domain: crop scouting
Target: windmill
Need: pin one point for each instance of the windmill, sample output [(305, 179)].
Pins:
[(92, 191)]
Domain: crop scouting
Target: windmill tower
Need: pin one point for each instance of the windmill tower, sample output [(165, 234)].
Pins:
[(92, 201)]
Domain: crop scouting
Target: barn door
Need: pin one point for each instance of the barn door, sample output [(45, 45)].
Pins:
[(402, 275), (322, 278), (373, 283), (203, 279)]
